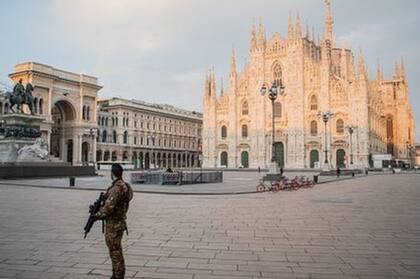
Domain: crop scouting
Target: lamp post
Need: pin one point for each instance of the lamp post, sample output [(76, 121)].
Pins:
[(276, 88), (325, 116), (93, 132), (152, 137), (351, 131), (409, 150)]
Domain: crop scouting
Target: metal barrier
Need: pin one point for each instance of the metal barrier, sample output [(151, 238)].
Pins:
[(179, 177)]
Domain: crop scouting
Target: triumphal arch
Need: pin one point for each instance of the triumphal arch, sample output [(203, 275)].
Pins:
[(68, 103)]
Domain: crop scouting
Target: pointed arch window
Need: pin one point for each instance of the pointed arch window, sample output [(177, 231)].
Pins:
[(314, 103), (245, 108), (125, 137), (114, 136), (314, 128), (104, 136), (88, 113), (277, 74), (224, 132), (244, 131), (340, 126)]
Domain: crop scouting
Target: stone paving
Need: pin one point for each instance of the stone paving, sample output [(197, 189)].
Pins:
[(233, 182), (363, 228)]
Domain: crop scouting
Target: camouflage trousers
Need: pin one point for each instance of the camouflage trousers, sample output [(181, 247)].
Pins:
[(113, 238)]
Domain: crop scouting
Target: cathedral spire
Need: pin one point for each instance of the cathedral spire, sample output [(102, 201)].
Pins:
[(361, 65), (313, 34), (233, 62), (221, 86), (328, 22), (397, 70), (290, 32), (307, 36), (261, 36), (253, 45), (379, 75), (212, 83), (207, 91), (233, 74), (343, 63), (298, 28)]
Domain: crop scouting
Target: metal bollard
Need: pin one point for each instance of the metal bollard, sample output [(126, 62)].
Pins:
[(72, 181)]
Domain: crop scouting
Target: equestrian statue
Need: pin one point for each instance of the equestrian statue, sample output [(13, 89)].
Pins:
[(21, 96)]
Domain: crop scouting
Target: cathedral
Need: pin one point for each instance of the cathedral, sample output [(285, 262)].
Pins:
[(363, 116)]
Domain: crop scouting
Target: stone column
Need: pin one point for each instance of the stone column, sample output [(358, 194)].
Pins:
[(93, 148), (75, 148)]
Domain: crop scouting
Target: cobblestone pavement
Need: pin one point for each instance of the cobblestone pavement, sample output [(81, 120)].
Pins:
[(363, 228), (234, 182)]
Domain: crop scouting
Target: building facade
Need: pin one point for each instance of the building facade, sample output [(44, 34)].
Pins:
[(80, 129), (418, 154), (148, 135), (318, 77), (68, 103)]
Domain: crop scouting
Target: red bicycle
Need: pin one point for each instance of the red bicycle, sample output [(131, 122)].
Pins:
[(261, 187)]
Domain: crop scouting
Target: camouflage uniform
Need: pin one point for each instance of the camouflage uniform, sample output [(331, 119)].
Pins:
[(114, 212)]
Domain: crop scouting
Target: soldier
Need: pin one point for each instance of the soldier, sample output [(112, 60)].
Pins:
[(114, 212)]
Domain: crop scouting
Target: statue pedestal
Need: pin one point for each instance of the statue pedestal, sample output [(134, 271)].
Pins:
[(18, 131)]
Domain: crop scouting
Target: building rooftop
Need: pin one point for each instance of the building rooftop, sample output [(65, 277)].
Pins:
[(49, 70), (161, 108)]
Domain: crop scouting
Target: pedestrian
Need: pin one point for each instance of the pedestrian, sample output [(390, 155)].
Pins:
[(338, 171), (114, 212), (259, 169)]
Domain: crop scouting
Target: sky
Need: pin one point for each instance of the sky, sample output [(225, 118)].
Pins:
[(159, 51)]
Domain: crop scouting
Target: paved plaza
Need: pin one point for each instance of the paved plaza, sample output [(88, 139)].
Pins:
[(234, 182), (362, 228)]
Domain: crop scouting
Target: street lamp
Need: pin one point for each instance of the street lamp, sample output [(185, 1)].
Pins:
[(409, 151), (93, 132), (152, 159), (325, 116), (276, 88), (351, 131)]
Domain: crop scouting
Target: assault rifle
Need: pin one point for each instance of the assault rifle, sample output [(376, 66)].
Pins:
[(93, 209)]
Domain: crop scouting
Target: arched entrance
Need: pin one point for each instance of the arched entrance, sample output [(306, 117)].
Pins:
[(85, 153), (341, 156), (147, 161), (70, 151), (134, 159), (99, 155), (61, 147), (314, 157), (245, 159), (106, 155), (279, 154), (224, 159)]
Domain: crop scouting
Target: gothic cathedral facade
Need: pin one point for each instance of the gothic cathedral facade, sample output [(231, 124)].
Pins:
[(369, 116)]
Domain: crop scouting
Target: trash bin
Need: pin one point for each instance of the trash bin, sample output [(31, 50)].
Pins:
[(72, 181), (315, 178)]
